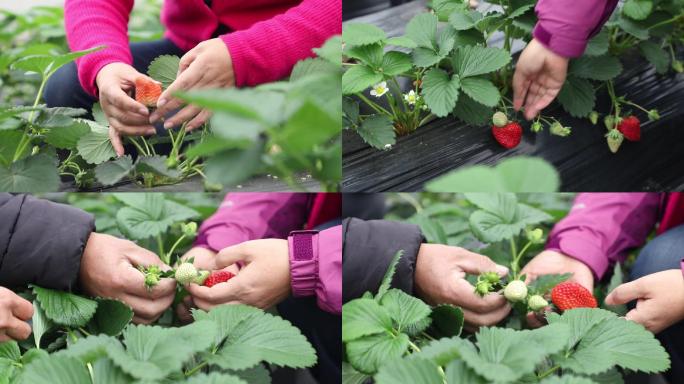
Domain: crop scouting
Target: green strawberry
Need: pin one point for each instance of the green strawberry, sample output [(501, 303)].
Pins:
[(593, 117), (201, 277), (536, 303), (186, 273), (482, 287), (614, 139), (559, 130)]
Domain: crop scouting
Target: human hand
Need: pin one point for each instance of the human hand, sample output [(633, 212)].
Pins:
[(208, 65), (551, 262), (440, 278), (539, 76), (108, 269), (126, 116), (659, 299), (14, 312), (263, 281)]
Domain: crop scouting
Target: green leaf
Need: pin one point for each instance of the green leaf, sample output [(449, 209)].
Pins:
[(447, 320), (598, 45), (386, 282), (633, 27), (65, 308), (99, 115), (553, 338), (521, 10), (464, 19), (164, 69), (577, 96), (95, 147), (493, 227), (46, 65), (637, 9), (440, 91), (405, 310), (413, 371), (616, 280), (519, 174), (601, 68), (234, 166), (352, 376), (215, 378), (371, 55), (472, 112), (458, 372), (10, 350), (67, 137), (331, 50), (422, 29), (655, 55), (432, 229), (369, 353), (256, 375), (543, 284), (55, 370), (426, 57), (481, 90), (503, 205), (142, 223), (377, 131), (567, 379), (105, 372), (157, 165), (401, 41), (31, 174), (111, 316), (296, 136), (358, 78), (395, 63), (90, 348), (362, 34), (476, 60), (111, 172), (312, 66), (40, 323), (227, 318), (362, 317), (442, 351)]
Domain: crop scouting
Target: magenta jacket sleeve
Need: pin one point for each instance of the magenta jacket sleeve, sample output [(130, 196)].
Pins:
[(565, 26), (601, 227), (91, 23), (316, 267), (269, 49), (249, 216)]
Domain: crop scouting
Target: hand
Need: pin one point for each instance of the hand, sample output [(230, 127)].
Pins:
[(263, 282), (440, 278), (108, 269), (551, 262), (539, 76), (203, 259), (14, 312), (659, 299), (126, 116), (208, 65)]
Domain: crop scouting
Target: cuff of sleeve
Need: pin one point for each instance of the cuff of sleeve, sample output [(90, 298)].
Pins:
[(583, 251), (560, 45), (303, 251), (239, 55)]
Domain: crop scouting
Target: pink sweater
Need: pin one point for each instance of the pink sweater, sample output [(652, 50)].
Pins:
[(269, 36)]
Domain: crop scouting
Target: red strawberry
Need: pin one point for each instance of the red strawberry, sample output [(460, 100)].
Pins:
[(569, 295), (509, 135), (217, 277), (631, 128), (147, 91)]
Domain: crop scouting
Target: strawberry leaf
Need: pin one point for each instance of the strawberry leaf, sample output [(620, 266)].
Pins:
[(215, 378), (65, 308), (164, 69), (31, 174), (111, 172), (369, 353), (406, 310), (95, 147), (364, 317), (362, 34), (415, 371), (377, 131), (54, 369), (389, 275)]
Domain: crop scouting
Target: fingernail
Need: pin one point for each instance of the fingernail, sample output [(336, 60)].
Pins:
[(501, 270), (161, 102), (143, 111), (168, 124)]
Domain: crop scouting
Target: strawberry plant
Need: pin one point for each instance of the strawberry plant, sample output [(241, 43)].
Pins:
[(79, 339), (446, 63)]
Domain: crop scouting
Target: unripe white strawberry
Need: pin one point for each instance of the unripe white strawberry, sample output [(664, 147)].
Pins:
[(499, 119), (536, 303), (186, 273), (515, 291)]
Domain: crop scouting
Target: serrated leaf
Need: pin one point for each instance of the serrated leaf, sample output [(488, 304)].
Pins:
[(521, 10), (361, 317), (413, 371), (227, 318), (90, 348), (395, 63), (503, 205), (472, 112), (553, 338), (440, 91), (447, 320), (377, 131), (655, 55), (331, 50), (362, 34), (10, 350), (215, 378), (401, 41), (31, 174), (543, 284), (352, 376), (567, 379), (463, 20), (601, 68), (598, 45), (477, 60), (40, 323), (637, 9), (369, 353), (405, 310), (371, 55), (46, 65), (156, 165), (142, 223), (358, 78), (111, 172), (65, 308), (443, 350), (105, 372), (577, 96), (232, 166), (111, 316), (481, 90), (633, 27), (164, 69), (55, 370), (422, 29), (95, 147), (67, 137), (425, 57), (386, 282)]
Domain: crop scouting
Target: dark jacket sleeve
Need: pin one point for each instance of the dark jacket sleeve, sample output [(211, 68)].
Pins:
[(41, 242), (368, 249)]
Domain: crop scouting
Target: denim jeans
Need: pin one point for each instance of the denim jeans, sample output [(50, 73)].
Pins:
[(662, 253)]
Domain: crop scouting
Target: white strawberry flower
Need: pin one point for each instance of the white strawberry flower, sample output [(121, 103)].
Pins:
[(411, 97), (379, 89)]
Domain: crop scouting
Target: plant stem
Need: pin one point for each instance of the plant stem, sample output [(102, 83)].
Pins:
[(160, 248), (413, 346), (412, 200), (195, 369), (514, 253), (548, 372), (26, 139), (135, 143), (373, 105), (173, 248), (516, 259)]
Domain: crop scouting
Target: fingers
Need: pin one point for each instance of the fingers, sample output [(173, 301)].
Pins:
[(521, 85), (18, 329), (146, 309), (167, 103), (474, 264), (182, 116), (486, 319), (131, 130), (186, 60), (625, 293), (116, 141), (141, 256), (207, 298), (464, 295), (198, 121), (233, 254), (21, 308), (115, 97), (535, 320)]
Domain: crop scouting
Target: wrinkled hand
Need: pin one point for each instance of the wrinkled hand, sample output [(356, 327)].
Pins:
[(263, 282), (14, 312), (659, 299), (551, 262), (126, 116), (108, 269), (440, 278), (203, 259), (208, 65), (539, 76)]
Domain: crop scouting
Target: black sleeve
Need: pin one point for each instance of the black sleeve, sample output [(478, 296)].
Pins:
[(367, 251), (41, 242)]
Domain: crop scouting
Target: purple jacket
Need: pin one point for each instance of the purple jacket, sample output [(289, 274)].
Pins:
[(565, 26), (250, 216), (602, 227)]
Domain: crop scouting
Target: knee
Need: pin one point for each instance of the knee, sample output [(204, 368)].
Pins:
[(662, 253), (64, 90)]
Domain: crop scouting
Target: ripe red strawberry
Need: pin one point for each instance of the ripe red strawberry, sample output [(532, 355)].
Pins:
[(630, 126), (509, 135), (217, 277), (569, 295), (147, 91)]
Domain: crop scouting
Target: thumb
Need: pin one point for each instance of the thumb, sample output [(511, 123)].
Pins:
[(474, 264), (624, 293), (144, 257), (233, 254)]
